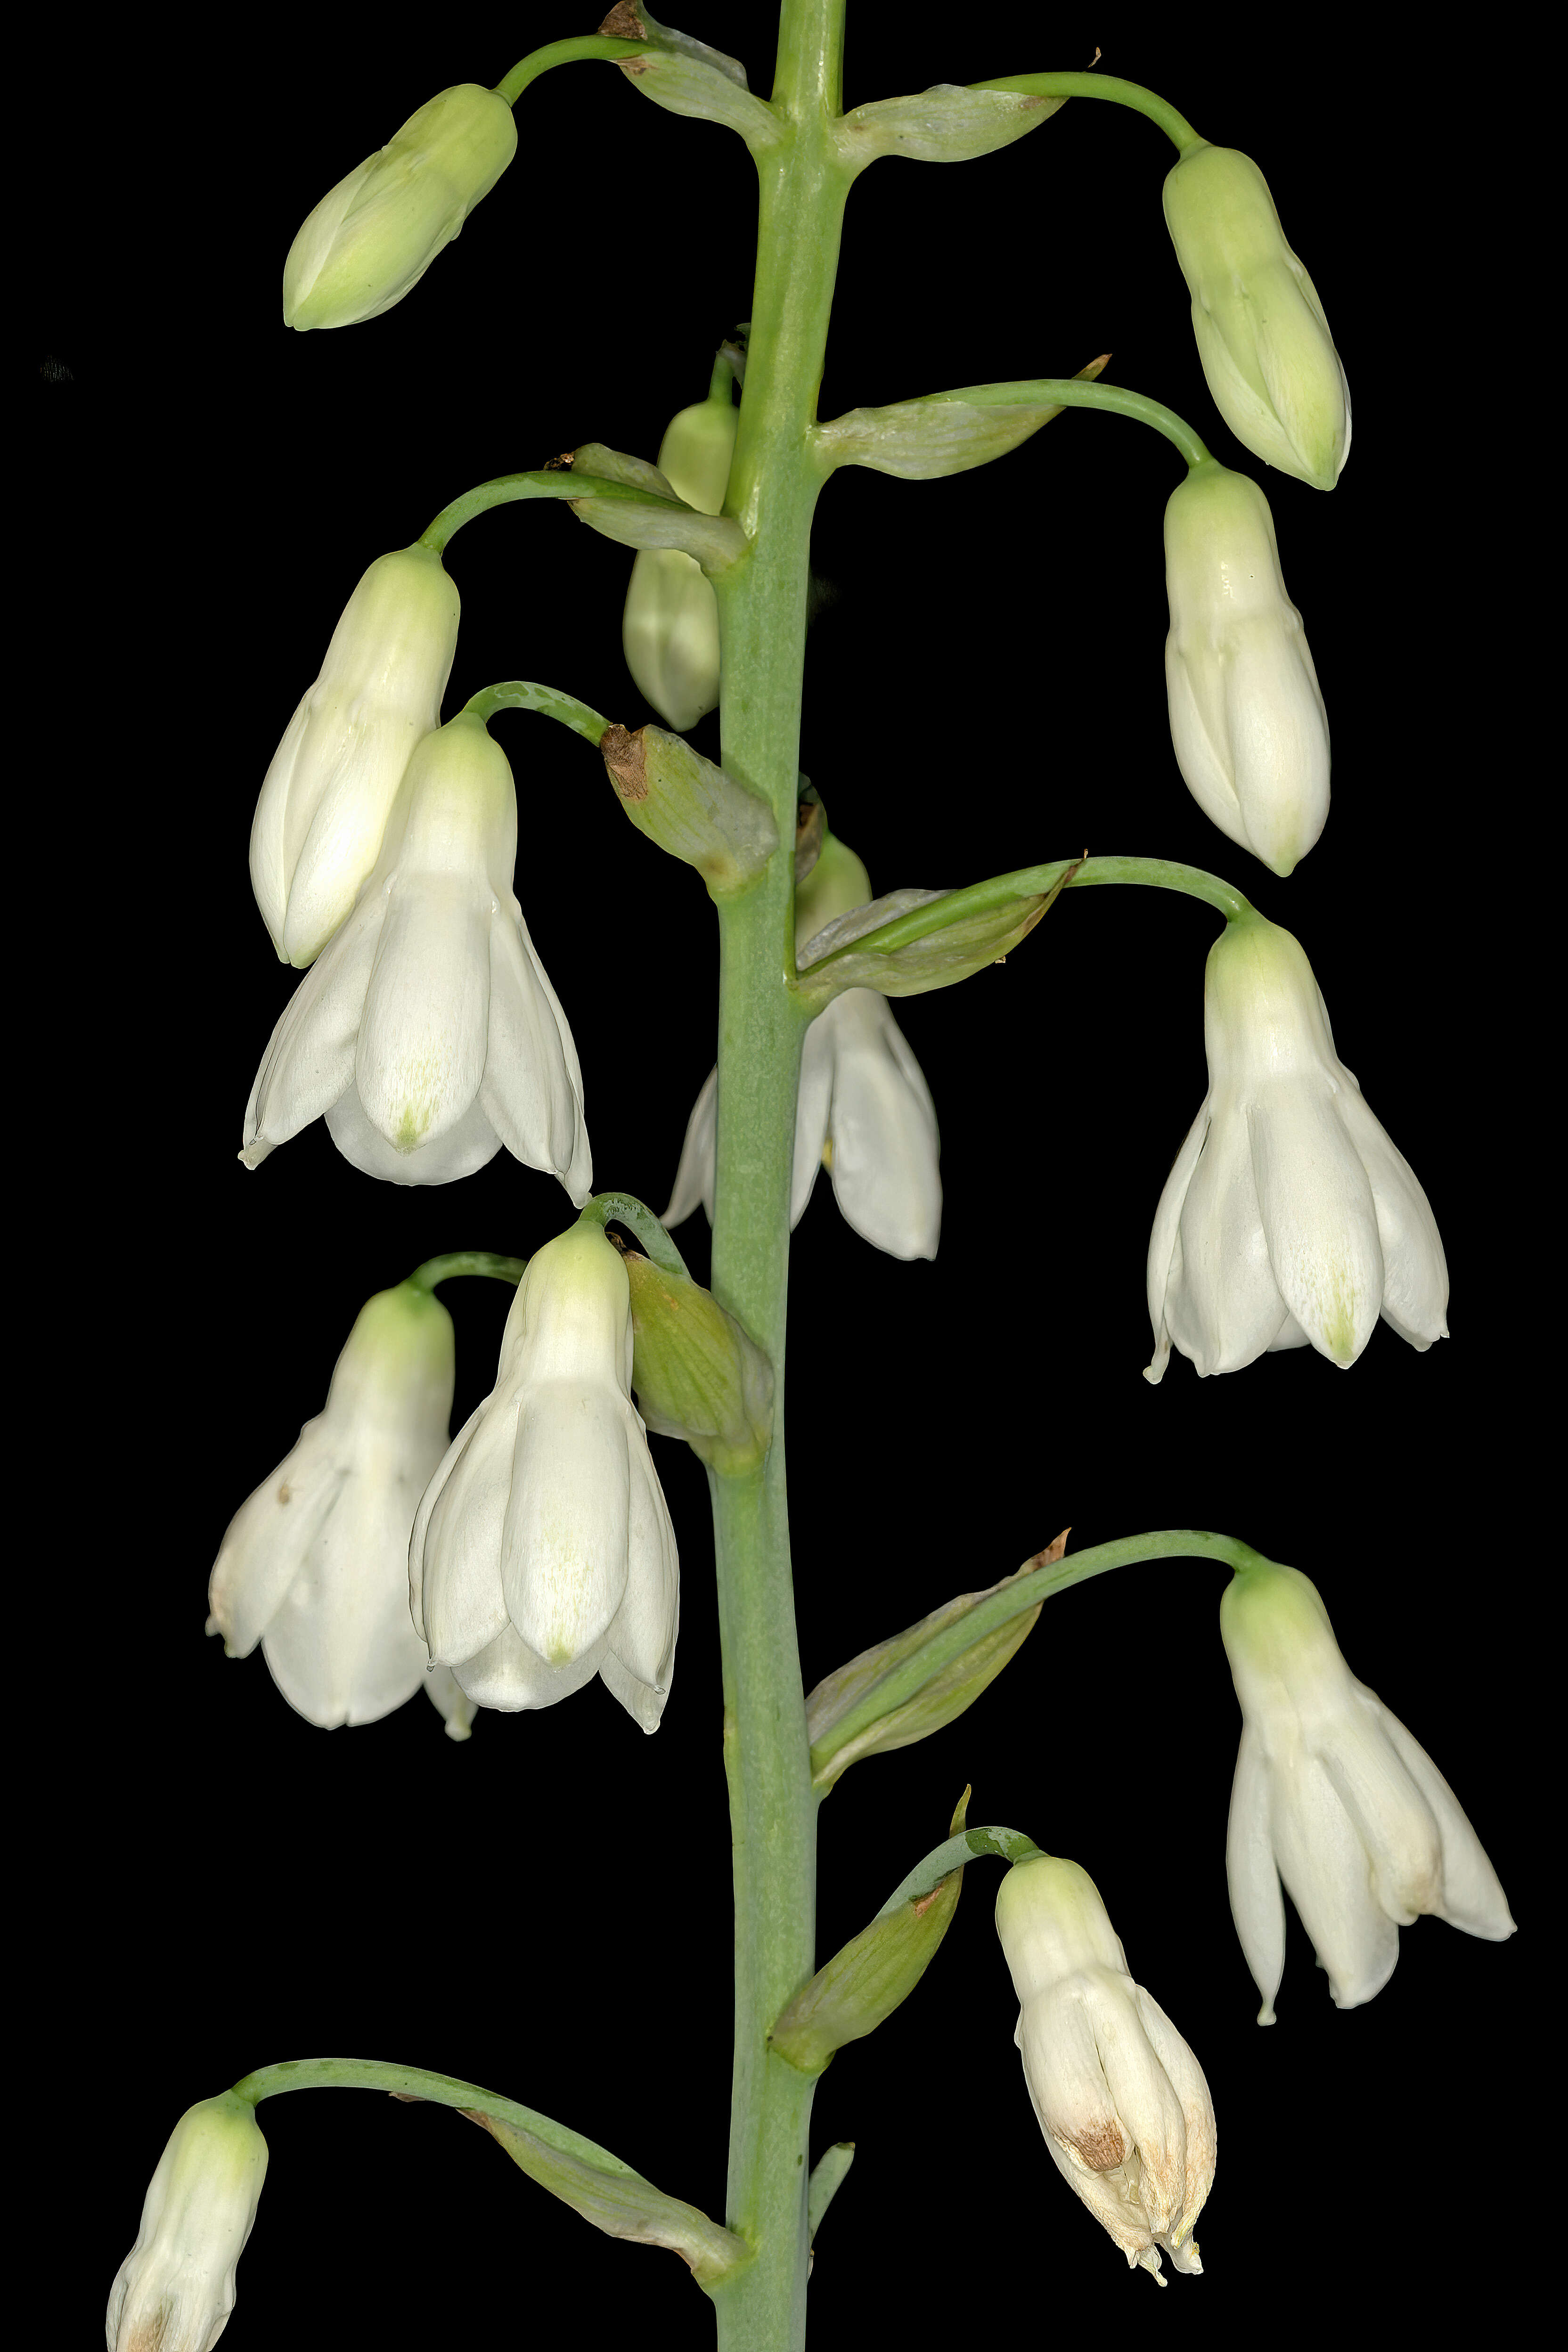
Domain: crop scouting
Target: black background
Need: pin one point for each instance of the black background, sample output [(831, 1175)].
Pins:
[(545, 1909)]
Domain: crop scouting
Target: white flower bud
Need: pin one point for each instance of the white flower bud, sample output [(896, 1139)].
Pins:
[(1122, 2100), (1269, 361), (1333, 1796), (1289, 1216), (174, 2289), (426, 1033), (670, 627), (376, 233), (315, 1564), (333, 778), (543, 1553), (864, 1110), (1247, 722)]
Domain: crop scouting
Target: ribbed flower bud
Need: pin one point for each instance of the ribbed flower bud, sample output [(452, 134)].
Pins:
[(1247, 722), (175, 2288), (376, 233), (1267, 352), (670, 627)]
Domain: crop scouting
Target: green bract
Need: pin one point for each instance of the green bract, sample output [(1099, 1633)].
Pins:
[(690, 807), (696, 1373), (377, 232)]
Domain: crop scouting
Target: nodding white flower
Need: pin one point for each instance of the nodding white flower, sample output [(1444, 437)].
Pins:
[(174, 2289), (1247, 720), (1267, 352), (1122, 2100), (426, 1033), (333, 778), (864, 1110), (372, 236), (1333, 1796), (315, 1564), (1289, 1215), (670, 629), (543, 1553)]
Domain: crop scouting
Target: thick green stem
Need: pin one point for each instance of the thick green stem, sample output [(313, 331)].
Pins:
[(762, 609)]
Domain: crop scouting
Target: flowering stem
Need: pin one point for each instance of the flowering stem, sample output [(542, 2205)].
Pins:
[(1077, 392), (1176, 127), (402, 2083), (903, 1681), (456, 1261), (773, 486), (521, 694), (1007, 1845), (563, 53), (549, 482), (1164, 874), (626, 1209)]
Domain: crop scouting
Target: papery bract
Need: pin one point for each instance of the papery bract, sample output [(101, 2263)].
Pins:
[(1247, 722), (175, 2288), (376, 233), (1289, 1216), (543, 1553), (1333, 1796), (427, 1034), (1121, 2098), (1267, 352), (315, 1564), (327, 795)]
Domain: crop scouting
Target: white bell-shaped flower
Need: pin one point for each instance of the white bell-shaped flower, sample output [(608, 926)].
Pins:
[(175, 2288), (543, 1553), (1121, 2098), (864, 1110), (315, 1564), (1269, 358), (333, 778), (426, 1033), (376, 233), (1333, 1796), (1289, 1215), (1247, 722)]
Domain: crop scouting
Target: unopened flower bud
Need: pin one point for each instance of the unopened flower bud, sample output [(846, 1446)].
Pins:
[(670, 627), (1250, 732), (333, 778), (1267, 352), (696, 1373), (175, 2288), (690, 807), (376, 233), (1120, 2099)]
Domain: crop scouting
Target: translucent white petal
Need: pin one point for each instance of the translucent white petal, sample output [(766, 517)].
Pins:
[(506, 1675), (1143, 2095), (528, 1090), (456, 1539), (694, 1176), (270, 1537), (1471, 1895), (269, 863), (342, 1648), (563, 1545), (309, 1062), (1279, 734), (458, 1152), (1163, 1241), (1414, 1270), (1318, 1214), (1392, 1819), (882, 1125), (1255, 1903), (1196, 704), (1224, 1308), (423, 1037), (813, 1101), (1328, 1878), (642, 1636)]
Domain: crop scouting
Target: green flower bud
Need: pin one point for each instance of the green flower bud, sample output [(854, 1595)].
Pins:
[(377, 232), (696, 1373), (690, 807), (1267, 355), (670, 627)]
